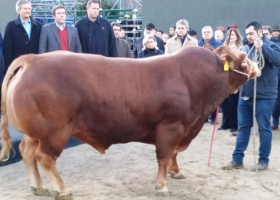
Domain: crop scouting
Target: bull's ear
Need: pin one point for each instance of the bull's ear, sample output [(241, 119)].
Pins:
[(208, 46), (224, 58), (242, 57)]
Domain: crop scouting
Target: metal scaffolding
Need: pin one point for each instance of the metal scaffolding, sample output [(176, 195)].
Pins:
[(133, 4), (71, 4)]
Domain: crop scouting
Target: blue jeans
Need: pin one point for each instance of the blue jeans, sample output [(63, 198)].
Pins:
[(264, 110)]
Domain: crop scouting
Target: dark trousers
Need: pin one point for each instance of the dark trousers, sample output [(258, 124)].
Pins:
[(229, 107), (212, 117), (276, 110)]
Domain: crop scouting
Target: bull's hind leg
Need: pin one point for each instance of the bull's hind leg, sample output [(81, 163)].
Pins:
[(173, 168), (168, 135), (27, 149), (46, 154)]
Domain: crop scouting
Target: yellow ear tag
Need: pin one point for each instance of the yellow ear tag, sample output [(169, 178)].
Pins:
[(226, 66)]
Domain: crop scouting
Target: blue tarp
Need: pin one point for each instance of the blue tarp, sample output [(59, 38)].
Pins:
[(16, 139)]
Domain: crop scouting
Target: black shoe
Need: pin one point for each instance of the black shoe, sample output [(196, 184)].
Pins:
[(233, 129), (233, 165), (261, 166), (222, 128)]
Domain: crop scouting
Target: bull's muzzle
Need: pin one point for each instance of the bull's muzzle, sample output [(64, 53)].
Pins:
[(256, 72)]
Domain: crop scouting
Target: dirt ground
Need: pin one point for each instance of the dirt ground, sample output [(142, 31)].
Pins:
[(128, 171)]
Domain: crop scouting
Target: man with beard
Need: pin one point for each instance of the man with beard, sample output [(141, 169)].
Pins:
[(266, 95)]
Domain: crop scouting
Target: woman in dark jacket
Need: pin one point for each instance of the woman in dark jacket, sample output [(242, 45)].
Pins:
[(149, 47), (229, 106)]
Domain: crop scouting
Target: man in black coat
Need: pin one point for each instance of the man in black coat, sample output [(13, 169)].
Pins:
[(138, 46), (21, 35), (96, 34)]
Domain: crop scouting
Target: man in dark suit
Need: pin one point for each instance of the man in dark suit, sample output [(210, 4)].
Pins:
[(22, 34), (122, 45), (58, 35), (96, 34)]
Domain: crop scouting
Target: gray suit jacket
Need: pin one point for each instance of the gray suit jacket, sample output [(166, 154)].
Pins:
[(123, 48), (49, 39)]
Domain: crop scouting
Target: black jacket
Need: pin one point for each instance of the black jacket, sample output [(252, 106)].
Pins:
[(149, 52), (267, 83), (98, 35), (16, 42), (139, 45)]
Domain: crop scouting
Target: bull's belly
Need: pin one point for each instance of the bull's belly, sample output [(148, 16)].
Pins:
[(102, 141)]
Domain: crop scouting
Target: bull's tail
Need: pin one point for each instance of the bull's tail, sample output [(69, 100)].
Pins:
[(4, 127)]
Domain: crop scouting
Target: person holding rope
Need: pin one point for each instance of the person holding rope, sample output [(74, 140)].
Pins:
[(267, 54)]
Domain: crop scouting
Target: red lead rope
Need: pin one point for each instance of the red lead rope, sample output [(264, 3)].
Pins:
[(213, 135)]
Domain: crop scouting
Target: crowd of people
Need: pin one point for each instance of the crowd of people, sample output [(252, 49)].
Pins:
[(95, 35)]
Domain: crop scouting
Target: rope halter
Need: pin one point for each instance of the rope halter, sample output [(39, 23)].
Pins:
[(248, 74)]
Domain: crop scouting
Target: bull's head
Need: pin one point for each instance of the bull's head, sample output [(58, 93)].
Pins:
[(238, 61)]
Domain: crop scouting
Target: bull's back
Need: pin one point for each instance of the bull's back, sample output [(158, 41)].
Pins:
[(60, 86)]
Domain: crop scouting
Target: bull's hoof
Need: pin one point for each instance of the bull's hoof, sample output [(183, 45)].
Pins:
[(64, 197), (163, 193), (157, 186), (57, 196), (177, 176), (40, 191)]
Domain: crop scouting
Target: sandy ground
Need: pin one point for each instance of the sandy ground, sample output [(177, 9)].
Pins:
[(129, 171)]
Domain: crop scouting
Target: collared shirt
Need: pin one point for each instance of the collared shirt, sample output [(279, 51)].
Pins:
[(27, 27), (61, 27)]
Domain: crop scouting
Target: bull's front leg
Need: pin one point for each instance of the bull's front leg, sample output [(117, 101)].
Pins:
[(161, 184)]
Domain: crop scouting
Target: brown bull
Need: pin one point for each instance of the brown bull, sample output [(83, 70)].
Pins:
[(102, 101)]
